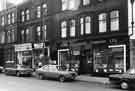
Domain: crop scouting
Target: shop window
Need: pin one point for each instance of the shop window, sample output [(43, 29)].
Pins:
[(86, 2), (72, 28), (82, 26), (64, 29), (88, 25), (114, 18), (102, 22)]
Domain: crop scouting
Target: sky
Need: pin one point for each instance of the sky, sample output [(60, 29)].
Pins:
[(16, 2)]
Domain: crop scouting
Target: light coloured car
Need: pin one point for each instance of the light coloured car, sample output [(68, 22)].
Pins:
[(55, 71), (18, 70)]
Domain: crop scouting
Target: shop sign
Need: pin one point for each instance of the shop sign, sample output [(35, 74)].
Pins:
[(38, 45), (76, 52), (99, 42), (23, 47)]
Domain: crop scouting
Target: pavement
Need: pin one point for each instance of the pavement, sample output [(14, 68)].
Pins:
[(93, 79)]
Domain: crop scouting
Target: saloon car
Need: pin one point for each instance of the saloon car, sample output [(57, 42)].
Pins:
[(56, 72), (18, 70), (125, 80)]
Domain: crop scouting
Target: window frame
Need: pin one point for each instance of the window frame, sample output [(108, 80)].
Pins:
[(114, 19), (102, 20)]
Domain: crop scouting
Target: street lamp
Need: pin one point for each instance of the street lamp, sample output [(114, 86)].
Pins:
[(132, 22)]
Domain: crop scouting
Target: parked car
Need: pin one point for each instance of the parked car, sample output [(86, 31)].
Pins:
[(125, 80), (18, 70), (55, 71), (1, 68)]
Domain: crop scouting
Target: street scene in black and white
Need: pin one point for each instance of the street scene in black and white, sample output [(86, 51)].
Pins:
[(67, 45)]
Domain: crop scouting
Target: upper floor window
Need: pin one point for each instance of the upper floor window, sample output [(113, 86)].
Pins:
[(27, 14), (64, 29), (23, 35), (82, 26), (87, 24), (64, 4), (8, 36), (3, 21), (38, 33), (9, 19), (114, 18), (44, 32), (72, 28), (86, 2), (38, 11), (102, 22), (13, 35), (27, 34), (22, 16), (13, 18), (44, 8)]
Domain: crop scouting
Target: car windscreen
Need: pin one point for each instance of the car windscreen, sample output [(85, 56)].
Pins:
[(61, 68)]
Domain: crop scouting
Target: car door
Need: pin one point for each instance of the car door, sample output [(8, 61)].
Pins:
[(52, 71), (45, 71)]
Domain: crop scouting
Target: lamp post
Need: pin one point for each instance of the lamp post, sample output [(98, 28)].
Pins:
[(132, 40), (132, 15)]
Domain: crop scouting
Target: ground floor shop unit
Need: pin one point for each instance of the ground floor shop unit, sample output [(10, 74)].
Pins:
[(107, 55), (26, 54)]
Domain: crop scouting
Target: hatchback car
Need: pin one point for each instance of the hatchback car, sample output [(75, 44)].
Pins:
[(18, 70), (125, 80), (55, 71)]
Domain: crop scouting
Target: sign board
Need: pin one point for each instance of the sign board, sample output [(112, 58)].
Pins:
[(23, 47), (38, 45)]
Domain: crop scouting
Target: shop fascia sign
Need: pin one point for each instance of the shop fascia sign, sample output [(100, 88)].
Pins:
[(38, 45), (23, 47)]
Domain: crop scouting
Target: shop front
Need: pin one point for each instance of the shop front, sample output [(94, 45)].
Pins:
[(30, 54), (110, 56), (24, 54), (75, 56)]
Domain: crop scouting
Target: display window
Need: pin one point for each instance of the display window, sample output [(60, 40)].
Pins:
[(110, 60)]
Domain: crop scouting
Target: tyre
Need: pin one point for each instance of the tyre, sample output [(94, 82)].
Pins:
[(61, 78), (73, 77), (124, 85), (18, 74), (41, 77)]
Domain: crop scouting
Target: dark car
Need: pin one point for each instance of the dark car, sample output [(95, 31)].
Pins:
[(18, 70), (125, 80)]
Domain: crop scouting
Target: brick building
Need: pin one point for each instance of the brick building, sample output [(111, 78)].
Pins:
[(89, 34)]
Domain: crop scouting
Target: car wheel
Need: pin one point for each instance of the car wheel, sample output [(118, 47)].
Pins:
[(40, 77), (61, 78), (18, 74), (73, 77), (124, 85)]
